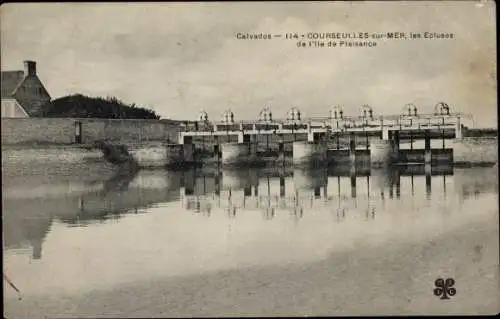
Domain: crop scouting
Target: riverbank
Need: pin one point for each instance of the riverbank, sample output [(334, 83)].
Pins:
[(466, 152), (393, 277)]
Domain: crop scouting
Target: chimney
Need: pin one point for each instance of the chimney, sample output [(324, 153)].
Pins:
[(29, 68)]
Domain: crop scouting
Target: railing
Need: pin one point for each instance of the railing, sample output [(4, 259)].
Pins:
[(422, 120)]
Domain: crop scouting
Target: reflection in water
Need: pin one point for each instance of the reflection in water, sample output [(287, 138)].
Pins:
[(26, 221), (313, 200), (296, 189), (31, 231), (200, 191)]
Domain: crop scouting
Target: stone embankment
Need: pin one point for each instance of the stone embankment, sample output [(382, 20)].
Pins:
[(467, 151)]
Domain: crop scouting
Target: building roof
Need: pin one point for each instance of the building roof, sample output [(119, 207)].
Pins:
[(10, 81)]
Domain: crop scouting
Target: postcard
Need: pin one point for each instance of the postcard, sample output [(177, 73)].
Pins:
[(249, 159)]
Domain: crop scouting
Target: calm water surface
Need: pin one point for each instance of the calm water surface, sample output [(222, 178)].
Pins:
[(69, 236)]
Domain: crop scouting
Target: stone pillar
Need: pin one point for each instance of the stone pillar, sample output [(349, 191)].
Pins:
[(188, 149), (427, 148), (380, 153)]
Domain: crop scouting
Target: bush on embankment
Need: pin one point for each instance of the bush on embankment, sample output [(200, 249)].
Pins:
[(81, 106)]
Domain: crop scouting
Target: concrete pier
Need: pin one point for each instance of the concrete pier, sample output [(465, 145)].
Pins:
[(307, 153), (159, 156), (380, 153), (235, 153)]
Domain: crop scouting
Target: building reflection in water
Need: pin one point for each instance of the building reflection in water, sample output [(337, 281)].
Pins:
[(23, 231), (27, 221), (296, 190), (270, 191)]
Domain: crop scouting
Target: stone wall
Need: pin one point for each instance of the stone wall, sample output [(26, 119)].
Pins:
[(63, 131), (475, 150), (15, 156)]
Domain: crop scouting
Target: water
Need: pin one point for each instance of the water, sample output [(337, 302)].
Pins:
[(250, 242)]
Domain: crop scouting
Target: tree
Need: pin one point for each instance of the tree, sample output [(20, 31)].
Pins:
[(80, 106)]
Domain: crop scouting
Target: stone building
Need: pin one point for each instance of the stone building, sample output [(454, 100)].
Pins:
[(23, 94)]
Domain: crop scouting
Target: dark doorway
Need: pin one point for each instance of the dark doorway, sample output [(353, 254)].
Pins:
[(78, 132)]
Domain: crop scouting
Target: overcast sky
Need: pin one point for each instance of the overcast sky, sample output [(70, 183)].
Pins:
[(181, 58)]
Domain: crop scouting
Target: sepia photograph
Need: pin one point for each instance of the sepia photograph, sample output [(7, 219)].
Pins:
[(249, 159)]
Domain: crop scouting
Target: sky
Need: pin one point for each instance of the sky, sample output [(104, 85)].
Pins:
[(181, 58)]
